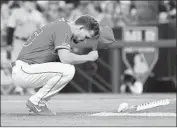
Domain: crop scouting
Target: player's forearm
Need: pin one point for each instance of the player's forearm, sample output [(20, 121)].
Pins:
[(75, 59)]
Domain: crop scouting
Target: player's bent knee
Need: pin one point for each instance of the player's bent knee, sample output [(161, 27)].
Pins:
[(71, 72)]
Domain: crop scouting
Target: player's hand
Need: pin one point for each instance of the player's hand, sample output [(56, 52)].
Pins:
[(93, 55)]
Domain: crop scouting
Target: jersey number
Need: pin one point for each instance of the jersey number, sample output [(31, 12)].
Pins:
[(33, 37)]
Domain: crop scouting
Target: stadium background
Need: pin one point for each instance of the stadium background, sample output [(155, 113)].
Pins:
[(118, 15)]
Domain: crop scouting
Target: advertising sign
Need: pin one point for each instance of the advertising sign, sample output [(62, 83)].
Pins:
[(140, 60)]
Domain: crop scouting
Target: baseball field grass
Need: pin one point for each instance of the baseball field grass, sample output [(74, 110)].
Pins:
[(89, 110)]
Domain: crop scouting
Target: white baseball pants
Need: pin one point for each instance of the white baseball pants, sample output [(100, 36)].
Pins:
[(51, 77)]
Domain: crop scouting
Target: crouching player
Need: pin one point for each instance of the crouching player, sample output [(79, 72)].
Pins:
[(37, 65)]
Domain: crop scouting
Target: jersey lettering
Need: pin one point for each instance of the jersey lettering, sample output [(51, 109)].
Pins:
[(33, 37)]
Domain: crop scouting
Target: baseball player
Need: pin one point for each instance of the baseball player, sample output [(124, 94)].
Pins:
[(47, 61), (21, 24)]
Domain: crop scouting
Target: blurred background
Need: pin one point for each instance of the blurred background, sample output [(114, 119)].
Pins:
[(120, 69)]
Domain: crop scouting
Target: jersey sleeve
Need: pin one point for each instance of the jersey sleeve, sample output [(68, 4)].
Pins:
[(62, 36)]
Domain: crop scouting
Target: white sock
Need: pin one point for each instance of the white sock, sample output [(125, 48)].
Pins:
[(34, 99)]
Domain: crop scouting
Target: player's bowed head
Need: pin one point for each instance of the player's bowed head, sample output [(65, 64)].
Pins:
[(103, 34), (86, 28), (106, 37)]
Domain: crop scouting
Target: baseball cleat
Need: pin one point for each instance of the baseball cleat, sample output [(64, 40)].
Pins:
[(40, 109)]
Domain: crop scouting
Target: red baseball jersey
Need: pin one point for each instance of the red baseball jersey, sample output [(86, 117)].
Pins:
[(43, 44)]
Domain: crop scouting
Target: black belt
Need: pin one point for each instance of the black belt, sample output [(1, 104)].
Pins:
[(21, 38), (14, 63)]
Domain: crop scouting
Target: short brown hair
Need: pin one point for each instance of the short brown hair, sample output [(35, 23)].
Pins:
[(89, 23)]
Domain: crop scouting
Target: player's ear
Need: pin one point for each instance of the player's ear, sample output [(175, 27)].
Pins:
[(81, 27)]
